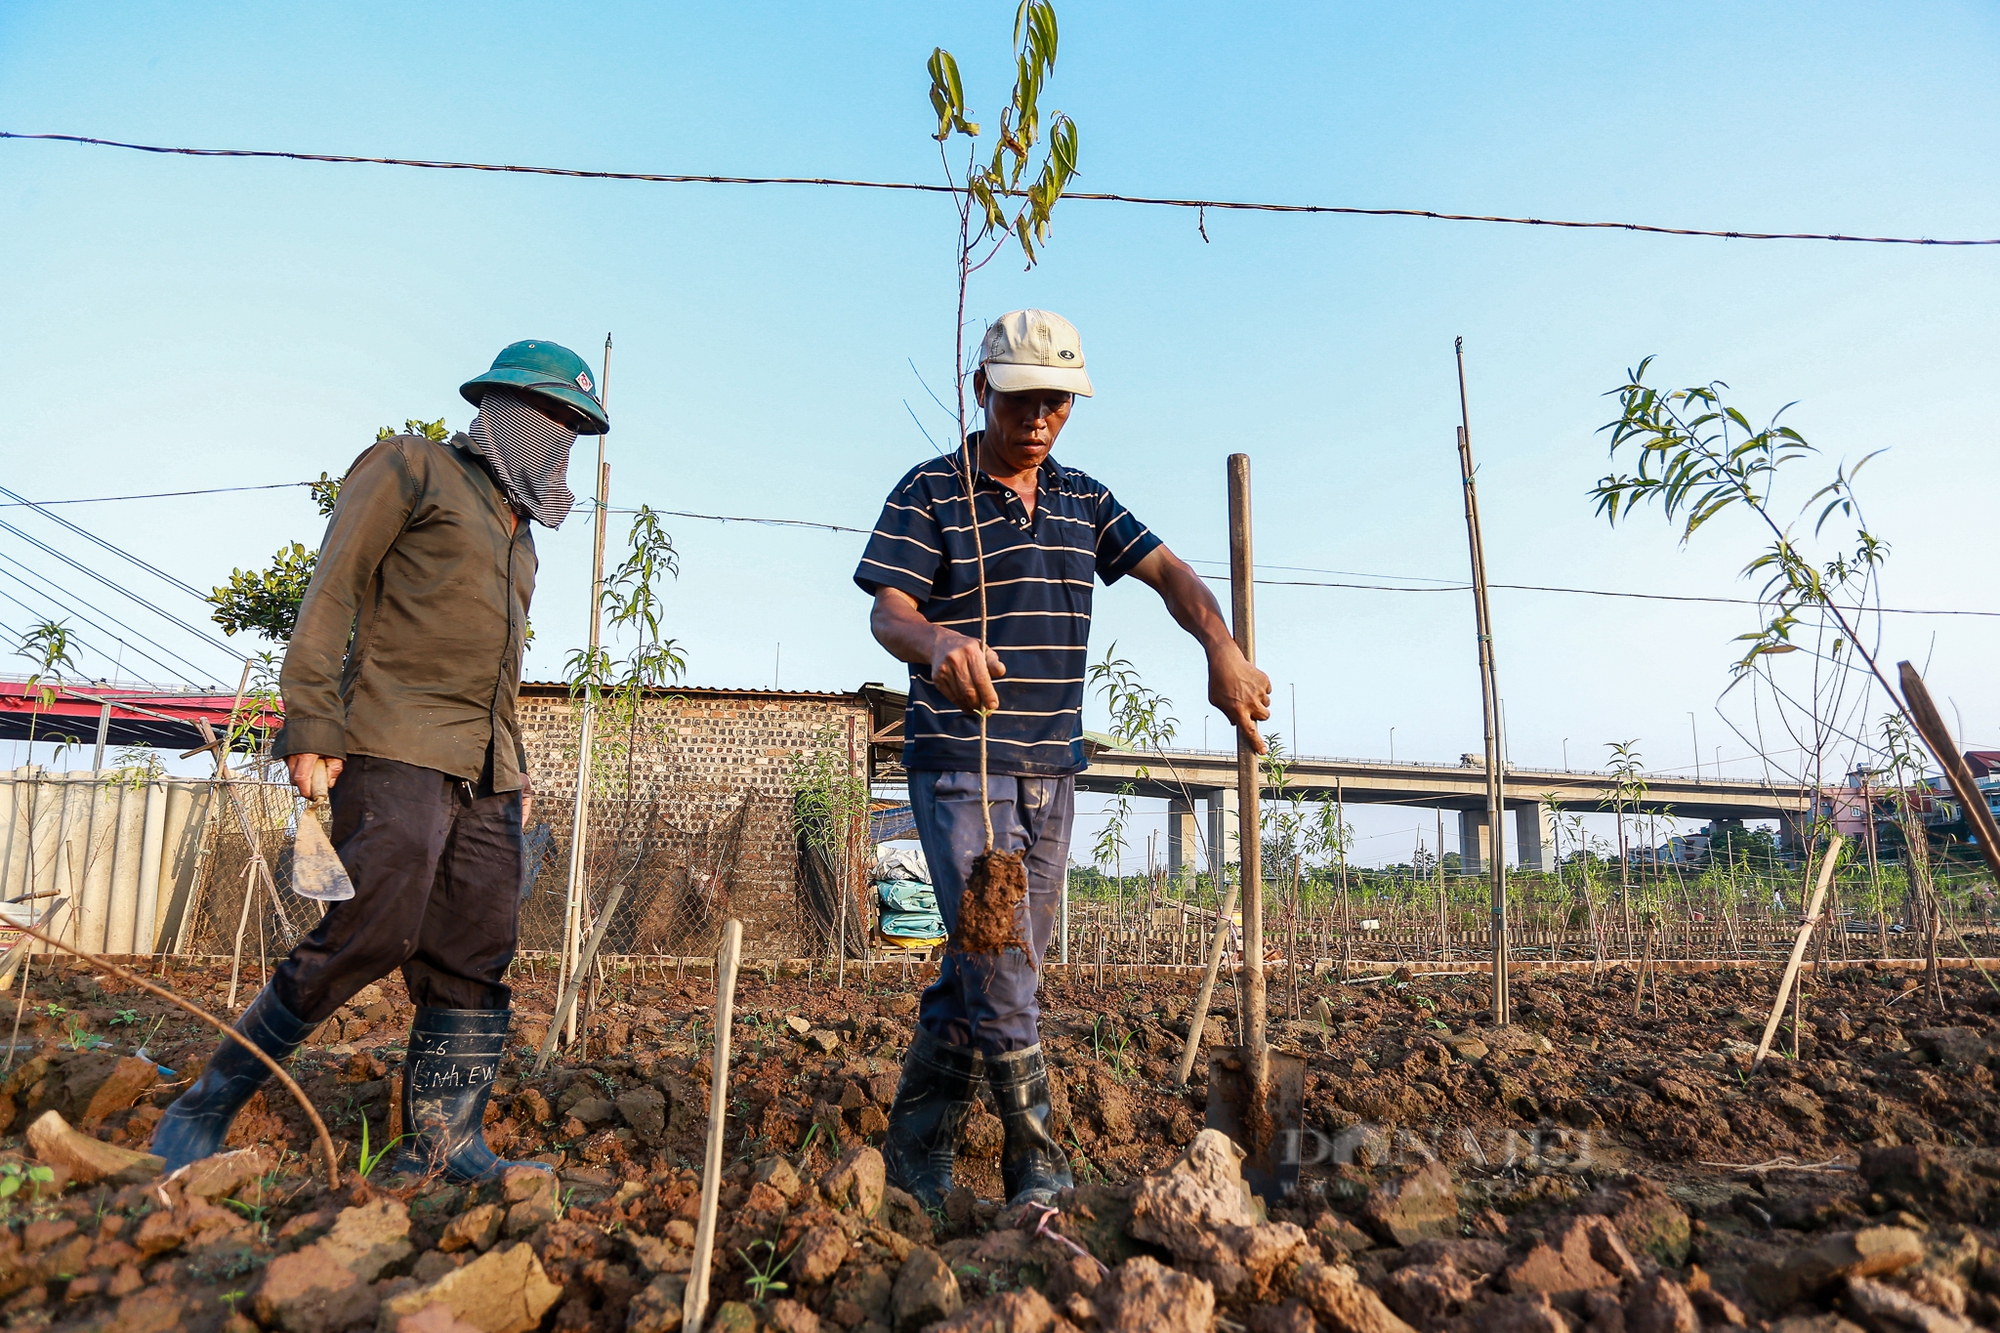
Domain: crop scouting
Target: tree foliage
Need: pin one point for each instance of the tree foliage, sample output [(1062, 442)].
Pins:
[(266, 601), (632, 601)]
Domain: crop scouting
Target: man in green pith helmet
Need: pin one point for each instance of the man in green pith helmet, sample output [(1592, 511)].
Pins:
[(400, 685)]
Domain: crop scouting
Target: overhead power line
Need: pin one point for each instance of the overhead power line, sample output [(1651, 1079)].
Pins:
[(157, 610), (65, 599), (1439, 585), (1202, 205), (116, 550), (153, 495), (1575, 592)]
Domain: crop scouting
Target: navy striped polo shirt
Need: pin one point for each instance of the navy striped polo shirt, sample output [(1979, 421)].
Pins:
[(1038, 588)]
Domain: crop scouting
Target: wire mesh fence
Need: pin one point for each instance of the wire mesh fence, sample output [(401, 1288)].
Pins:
[(231, 902), (674, 853), (1162, 923), (670, 855), (683, 854)]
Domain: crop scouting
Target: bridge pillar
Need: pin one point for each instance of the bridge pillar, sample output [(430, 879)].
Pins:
[(1535, 836), (1223, 827), (1183, 838), (1793, 826), (1474, 841)]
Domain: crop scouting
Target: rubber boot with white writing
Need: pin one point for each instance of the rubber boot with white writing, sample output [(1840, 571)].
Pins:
[(447, 1078)]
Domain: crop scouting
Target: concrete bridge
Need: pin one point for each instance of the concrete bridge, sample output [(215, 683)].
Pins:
[(1200, 789)]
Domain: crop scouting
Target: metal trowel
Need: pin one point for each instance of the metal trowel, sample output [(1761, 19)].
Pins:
[(316, 870)]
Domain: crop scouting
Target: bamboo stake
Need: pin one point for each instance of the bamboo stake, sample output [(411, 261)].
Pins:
[(566, 1009), (579, 831), (259, 869), (1798, 951), (1489, 698), (242, 925), (1199, 1019), (21, 951), (694, 1304)]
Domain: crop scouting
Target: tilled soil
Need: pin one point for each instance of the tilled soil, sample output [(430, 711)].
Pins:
[(1587, 1168)]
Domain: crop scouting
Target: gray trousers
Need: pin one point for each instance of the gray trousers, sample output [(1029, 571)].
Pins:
[(983, 1000)]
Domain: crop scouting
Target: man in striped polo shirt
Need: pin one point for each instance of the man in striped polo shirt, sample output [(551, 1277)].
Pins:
[(1045, 532)]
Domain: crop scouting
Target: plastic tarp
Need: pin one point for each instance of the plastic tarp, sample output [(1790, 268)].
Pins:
[(903, 894)]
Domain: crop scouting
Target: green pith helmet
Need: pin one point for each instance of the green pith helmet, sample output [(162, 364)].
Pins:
[(548, 369)]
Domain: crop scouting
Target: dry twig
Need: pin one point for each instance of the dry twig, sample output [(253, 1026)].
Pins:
[(298, 1095)]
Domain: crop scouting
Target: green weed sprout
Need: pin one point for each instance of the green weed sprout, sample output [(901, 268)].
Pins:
[(369, 1161)]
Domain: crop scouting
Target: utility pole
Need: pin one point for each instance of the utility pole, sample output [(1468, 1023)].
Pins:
[(1489, 699), (1696, 734), (579, 831)]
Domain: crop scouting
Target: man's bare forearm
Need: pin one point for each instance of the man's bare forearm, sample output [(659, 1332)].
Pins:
[(960, 666), (1240, 690), (1187, 598), (901, 628)]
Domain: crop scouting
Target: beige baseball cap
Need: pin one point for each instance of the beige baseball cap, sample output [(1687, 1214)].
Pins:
[(1034, 349)]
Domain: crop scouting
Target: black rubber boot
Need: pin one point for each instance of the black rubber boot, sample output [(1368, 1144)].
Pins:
[(1033, 1166), (195, 1125), (932, 1100), (447, 1077)]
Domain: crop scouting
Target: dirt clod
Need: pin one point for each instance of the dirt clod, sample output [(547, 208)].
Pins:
[(988, 910)]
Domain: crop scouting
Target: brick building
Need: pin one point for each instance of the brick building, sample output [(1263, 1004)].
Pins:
[(703, 830)]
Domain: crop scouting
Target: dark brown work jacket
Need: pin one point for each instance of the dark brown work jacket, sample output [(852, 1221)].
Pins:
[(426, 567)]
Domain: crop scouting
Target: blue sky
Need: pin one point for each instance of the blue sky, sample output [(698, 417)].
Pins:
[(190, 323)]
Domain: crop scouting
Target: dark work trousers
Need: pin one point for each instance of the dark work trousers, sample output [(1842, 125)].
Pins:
[(436, 865), (984, 1000)]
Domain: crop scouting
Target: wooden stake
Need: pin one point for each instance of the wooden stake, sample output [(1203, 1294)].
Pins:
[(1249, 781), (579, 828), (1798, 951), (694, 1305)]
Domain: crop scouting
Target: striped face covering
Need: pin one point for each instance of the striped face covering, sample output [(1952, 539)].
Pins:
[(528, 451)]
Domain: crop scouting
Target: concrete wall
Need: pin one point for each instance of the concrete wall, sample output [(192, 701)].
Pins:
[(125, 858), (721, 756)]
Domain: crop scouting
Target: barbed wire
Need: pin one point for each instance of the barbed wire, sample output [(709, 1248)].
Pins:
[(917, 187)]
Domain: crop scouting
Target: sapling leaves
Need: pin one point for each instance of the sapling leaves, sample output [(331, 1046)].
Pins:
[(1698, 457), (988, 185)]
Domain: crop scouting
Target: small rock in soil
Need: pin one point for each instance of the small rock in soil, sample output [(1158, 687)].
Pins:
[(1869, 1252), (1143, 1293), (1649, 1220), (1340, 1300), (926, 1291), (1421, 1205), (645, 1110), (502, 1291), (1583, 1254), (856, 1181), (475, 1229), (1659, 1305), (1025, 1311)]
